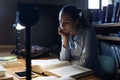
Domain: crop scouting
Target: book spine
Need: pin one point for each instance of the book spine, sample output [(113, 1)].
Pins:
[(2, 73), (109, 13), (100, 16), (11, 78), (117, 5), (104, 14), (118, 14), (6, 77), (94, 16)]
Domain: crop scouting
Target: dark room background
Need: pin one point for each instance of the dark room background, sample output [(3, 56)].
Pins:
[(44, 32)]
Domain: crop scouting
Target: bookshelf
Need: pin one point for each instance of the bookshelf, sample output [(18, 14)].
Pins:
[(108, 38), (108, 25), (103, 31)]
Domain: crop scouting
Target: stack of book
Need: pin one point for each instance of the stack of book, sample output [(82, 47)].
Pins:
[(4, 75), (9, 61), (8, 58), (109, 14)]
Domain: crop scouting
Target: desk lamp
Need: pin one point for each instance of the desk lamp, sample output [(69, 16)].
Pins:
[(28, 16), (18, 27)]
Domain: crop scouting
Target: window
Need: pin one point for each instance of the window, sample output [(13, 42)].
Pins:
[(95, 4)]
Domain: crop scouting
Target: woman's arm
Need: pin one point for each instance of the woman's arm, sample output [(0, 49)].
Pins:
[(65, 51)]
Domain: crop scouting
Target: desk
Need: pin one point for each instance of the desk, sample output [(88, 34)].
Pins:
[(22, 67)]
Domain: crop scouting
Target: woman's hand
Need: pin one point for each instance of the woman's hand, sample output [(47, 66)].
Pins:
[(64, 35)]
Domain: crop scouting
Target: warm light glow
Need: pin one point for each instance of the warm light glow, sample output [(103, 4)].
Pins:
[(19, 27), (93, 4)]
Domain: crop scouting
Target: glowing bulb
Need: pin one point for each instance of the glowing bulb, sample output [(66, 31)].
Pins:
[(19, 27)]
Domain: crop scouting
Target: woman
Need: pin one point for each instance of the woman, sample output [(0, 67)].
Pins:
[(79, 43)]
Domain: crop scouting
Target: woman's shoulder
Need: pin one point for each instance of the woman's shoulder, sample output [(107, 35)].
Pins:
[(86, 32), (89, 31)]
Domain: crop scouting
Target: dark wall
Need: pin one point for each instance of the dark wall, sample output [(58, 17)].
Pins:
[(7, 17), (82, 4), (44, 32)]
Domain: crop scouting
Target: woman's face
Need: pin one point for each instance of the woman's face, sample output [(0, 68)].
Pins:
[(66, 23)]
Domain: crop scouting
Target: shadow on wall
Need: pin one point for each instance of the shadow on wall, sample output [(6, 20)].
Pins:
[(7, 18), (45, 31)]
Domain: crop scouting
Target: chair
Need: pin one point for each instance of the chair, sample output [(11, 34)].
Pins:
[(109, 67)]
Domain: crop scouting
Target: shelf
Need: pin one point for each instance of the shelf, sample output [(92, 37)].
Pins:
[(107, 28), (107, 25), (108, 38)]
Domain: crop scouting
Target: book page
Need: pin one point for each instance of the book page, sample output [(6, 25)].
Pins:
[(40, 66), (37, 62), (53, 78), (66, 78), (72, 70), (46, 78)]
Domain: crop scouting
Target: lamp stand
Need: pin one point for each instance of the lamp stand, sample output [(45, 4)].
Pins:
[(28, 53), (18, 43)]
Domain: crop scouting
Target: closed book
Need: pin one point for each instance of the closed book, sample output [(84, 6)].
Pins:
[(2, 70), (109, 13), (6, 77), (104, 14), (116, 11), (8, 58)]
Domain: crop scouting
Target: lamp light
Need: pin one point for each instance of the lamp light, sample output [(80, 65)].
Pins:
[(19, 26)]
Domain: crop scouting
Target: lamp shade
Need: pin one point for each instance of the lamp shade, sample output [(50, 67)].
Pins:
[(28, 15)]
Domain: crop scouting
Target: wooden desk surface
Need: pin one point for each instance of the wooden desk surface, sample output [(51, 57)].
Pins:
[(22, 67)]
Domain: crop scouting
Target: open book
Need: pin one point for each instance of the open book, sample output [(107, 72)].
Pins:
[(54, 67)]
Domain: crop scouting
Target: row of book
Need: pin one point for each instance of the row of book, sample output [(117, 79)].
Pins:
[(109, 14)]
